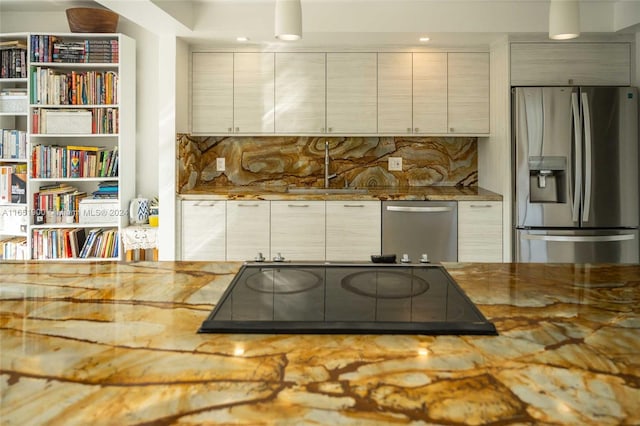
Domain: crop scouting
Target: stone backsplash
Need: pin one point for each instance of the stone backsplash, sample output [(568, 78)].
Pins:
[(270, 161)]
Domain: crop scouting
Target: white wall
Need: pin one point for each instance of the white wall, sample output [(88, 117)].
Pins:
[(147, 108)]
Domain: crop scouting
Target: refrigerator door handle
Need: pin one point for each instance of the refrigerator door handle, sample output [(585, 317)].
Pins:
[(580, 239), (587, 157), (577, 187)]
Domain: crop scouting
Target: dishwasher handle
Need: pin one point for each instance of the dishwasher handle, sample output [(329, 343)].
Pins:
[(408, 209)]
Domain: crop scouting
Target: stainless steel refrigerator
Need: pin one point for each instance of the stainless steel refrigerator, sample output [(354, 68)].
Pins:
[(576, 185)]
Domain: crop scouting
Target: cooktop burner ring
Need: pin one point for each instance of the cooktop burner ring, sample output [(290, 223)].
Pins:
[(359, 283), (282, 281)]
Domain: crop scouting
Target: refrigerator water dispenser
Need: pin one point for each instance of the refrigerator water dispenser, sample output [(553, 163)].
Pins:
[(547, 179)]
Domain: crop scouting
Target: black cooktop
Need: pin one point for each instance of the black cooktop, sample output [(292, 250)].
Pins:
[(341, 298)]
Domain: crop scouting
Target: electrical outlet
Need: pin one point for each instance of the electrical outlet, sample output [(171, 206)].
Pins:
[(395, 164), (220, 164)]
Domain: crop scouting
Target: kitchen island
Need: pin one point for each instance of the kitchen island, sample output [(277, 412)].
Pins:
[(116, 343)]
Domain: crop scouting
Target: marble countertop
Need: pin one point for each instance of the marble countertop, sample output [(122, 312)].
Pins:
[(116, 343), (428, 193)]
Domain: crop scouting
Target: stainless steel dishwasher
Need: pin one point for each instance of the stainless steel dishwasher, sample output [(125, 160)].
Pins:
[(420, 227)]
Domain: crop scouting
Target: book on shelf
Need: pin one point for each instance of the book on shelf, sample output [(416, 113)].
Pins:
[(13, 144), (57, 202), (19, 187), (75, 121), (5, 184), (49, 48), (73, 161), (55, 87), (13, 59), (13, 248)]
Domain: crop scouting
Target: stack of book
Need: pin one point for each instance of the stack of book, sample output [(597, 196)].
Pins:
[(108, 190)]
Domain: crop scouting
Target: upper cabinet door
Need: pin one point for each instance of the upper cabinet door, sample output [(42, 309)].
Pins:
[(430, 93), (352, 93), (394, 93), (211, 92), (561, 64), (253, 95), (468, 93), (300, 93)]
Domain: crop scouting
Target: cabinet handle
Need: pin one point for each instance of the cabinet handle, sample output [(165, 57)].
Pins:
[(247, 205), (417, 129), (237, 129), (480, 206), (408, 129), (330, 129), (297, 205), (451, 129), (229, 129), (353, 205), (202, 204), (322, 129)]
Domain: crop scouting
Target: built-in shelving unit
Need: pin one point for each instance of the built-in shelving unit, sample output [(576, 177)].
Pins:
[(79, 121), (13, 146)]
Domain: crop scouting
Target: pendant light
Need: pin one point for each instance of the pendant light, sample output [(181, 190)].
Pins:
[(288, 20), (564, 19)]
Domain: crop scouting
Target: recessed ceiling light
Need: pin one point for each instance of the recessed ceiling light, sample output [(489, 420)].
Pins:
[(242, 38), (424, 39)]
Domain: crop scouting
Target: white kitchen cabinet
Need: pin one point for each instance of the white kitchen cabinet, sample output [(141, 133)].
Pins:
[(395, 93), (352, 93), (468, 93), (232, 93), (298, 229), (203, 230), (430, 93), (248, 229), (554, 64), (353, 230), (253, 92), (300, 92), (211, 92), (479, 231)]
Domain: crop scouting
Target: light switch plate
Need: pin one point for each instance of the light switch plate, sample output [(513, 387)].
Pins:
[(395, 164), (220, 164)]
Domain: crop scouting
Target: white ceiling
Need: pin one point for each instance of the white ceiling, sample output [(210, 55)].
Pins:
[(355, 22)]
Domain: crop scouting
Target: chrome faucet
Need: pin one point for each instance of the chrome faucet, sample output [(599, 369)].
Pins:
[(327, 176)]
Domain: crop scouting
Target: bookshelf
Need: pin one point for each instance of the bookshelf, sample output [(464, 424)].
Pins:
[(81, 144), (13, 146)]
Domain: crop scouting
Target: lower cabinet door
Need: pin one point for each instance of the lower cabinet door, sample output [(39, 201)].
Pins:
[(353, 230), (248, 228), (479, 231), (203, 230), (298, 230)]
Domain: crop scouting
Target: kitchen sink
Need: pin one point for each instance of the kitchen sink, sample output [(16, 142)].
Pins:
[(321, 191)]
